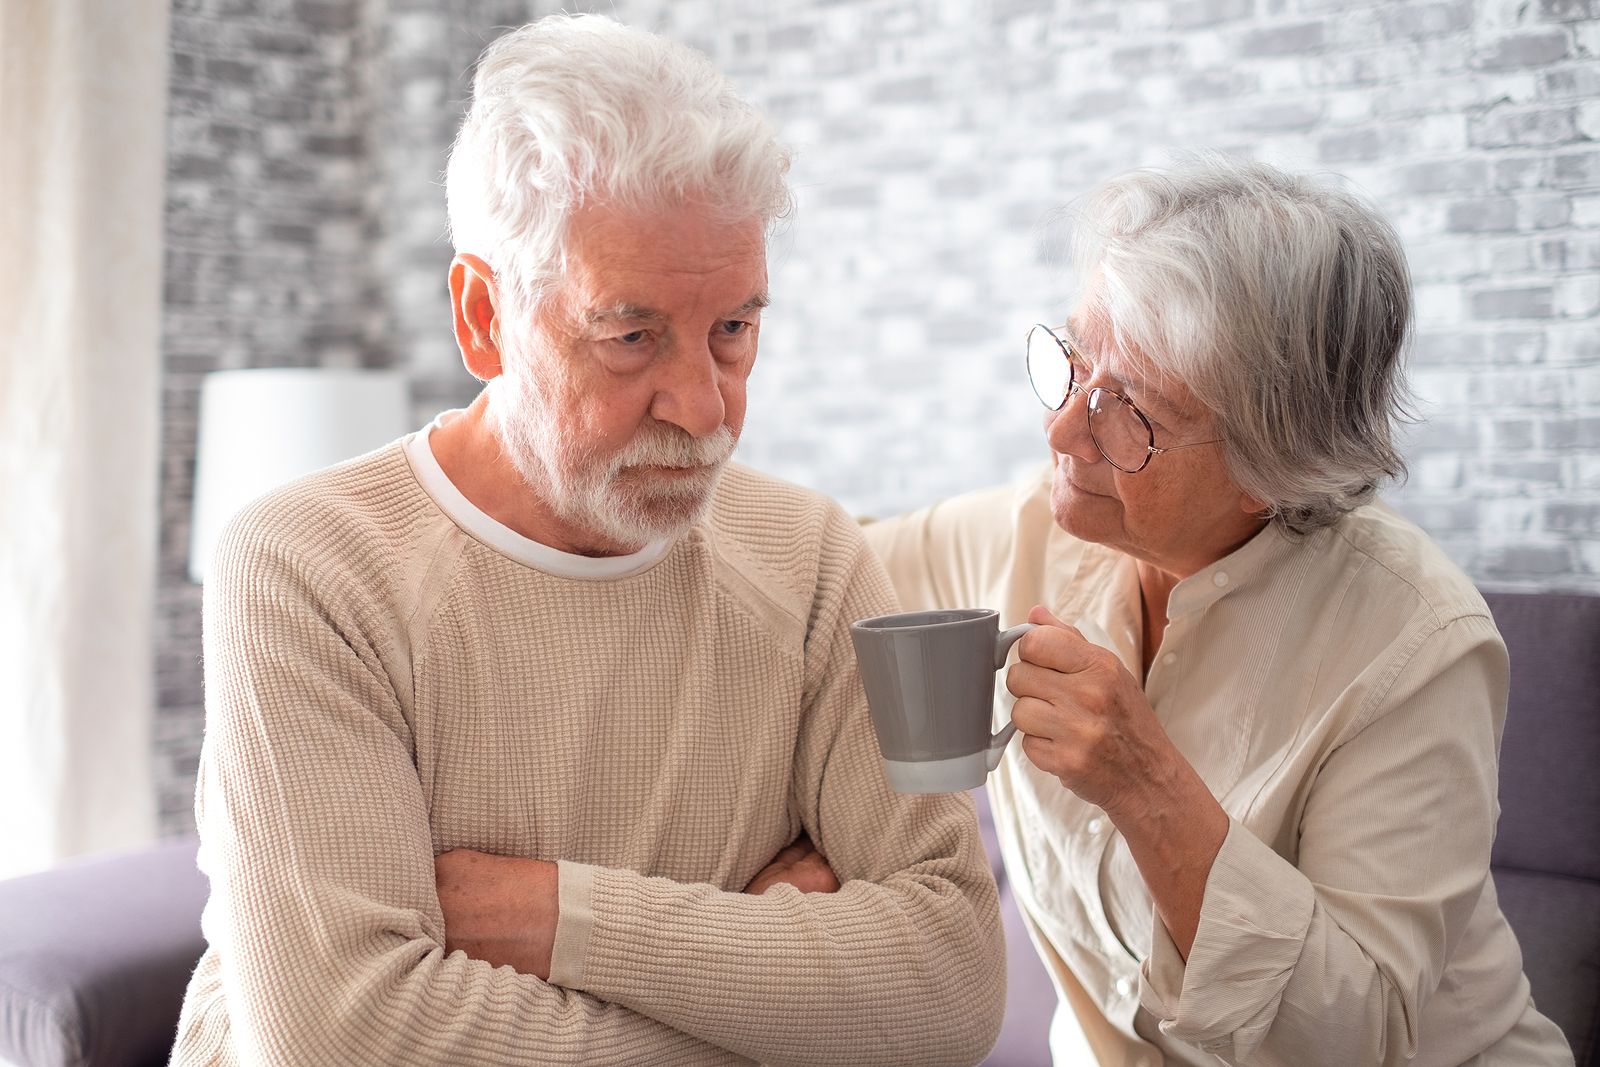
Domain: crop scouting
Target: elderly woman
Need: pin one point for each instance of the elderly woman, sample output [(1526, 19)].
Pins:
[(1250, 815)]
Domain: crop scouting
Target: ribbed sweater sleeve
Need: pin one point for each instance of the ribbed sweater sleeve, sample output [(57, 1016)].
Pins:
[(324, 917), (904, 964)]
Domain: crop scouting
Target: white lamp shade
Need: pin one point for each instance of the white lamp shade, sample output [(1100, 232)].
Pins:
[(262, 428)]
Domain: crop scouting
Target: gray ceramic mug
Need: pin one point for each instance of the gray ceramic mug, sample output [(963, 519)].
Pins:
[(929, 677)]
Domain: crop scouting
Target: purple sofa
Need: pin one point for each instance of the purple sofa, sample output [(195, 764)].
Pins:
[(94, 956)]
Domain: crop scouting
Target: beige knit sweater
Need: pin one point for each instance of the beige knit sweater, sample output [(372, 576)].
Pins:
[(388, 677)]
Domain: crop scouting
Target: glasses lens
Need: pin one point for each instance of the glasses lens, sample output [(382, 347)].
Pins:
[(1048, 368), (1118, 430)]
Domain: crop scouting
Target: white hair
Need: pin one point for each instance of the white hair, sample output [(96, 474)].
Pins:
[(1282, 303), (576, 109)]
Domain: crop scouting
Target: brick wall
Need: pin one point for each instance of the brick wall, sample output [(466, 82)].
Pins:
[(305, 223), (303, 229)]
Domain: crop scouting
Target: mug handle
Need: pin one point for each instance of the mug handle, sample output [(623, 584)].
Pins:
[(1002, 648)]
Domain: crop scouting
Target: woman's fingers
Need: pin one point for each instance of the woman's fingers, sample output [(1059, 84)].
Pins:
[(1060, 647)]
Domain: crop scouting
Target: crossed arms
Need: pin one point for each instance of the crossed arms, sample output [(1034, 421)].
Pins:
[(505, 910)]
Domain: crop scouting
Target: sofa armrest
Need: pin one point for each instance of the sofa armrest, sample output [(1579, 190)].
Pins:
[(95, 956)]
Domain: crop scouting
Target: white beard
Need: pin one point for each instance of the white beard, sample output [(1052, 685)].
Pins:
[(609, 497)]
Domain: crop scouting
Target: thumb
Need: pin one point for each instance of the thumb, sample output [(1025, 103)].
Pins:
[(1043, 616)]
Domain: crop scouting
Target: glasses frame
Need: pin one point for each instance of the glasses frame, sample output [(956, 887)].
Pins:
[(1092, 408)]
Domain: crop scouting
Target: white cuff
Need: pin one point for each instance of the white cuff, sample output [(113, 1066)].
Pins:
[(574, 924)]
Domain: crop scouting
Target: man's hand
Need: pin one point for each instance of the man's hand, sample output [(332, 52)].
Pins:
[(499, 909), (799, 865)]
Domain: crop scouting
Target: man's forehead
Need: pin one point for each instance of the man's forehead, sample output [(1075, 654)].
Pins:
[(648, 265), (604, 311)]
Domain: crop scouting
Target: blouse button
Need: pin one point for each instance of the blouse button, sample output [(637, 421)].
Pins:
[(1096, 825), (1169, 659), (1220, 579), (1124, 987)]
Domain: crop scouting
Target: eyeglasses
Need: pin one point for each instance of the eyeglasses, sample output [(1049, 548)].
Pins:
[(1119, 429)]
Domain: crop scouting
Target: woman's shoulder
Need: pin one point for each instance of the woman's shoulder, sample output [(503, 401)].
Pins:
[(1398, 563), (980, 520)]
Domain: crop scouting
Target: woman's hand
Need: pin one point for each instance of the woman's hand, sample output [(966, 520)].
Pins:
[(1086, 720)]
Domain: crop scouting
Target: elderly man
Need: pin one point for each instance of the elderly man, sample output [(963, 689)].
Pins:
[(527, 735)]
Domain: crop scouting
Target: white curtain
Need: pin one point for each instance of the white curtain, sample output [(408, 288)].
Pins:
[(82, 114)]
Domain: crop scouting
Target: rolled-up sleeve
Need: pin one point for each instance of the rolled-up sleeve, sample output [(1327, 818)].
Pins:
[(1330, 958), (1254, 923)]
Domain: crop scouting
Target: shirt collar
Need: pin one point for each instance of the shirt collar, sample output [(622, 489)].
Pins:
[(1234, 571)]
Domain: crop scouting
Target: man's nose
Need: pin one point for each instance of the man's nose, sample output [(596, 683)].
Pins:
[(689, 393)]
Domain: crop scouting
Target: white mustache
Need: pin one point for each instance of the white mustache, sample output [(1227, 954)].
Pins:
[(662, 445)]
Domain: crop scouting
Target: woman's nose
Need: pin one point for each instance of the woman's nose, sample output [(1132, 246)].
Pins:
[(1066, 429)]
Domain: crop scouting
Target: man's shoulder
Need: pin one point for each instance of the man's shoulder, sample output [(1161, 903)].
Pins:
[(791, 543), (354, 519), (747, 495), (774, 516)]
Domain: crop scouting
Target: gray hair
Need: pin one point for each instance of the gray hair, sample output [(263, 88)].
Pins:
[(1282, 303), (577, 109)]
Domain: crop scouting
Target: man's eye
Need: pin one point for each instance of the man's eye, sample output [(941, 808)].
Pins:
[(734, 327), (633, 337)]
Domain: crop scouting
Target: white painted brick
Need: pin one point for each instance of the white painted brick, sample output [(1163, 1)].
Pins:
[(1586, 35), (1146, 15), (1576, 343), (1586, 385), (1513, 256), (1282, 75), (1349, 107), (1587, 476), (1520, 88), (1208, 49), (1580, 81), (1439, 305), (1497, 16), (1578, 297), (1589, 119), (1586, 211), (1510, 517), (1442, 133), (1440, 391), (1437, 470)]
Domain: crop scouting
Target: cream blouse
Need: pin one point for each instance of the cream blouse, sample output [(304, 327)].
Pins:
[(1342, 694)]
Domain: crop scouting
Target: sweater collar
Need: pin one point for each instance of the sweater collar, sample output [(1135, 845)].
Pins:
[(502, 538)]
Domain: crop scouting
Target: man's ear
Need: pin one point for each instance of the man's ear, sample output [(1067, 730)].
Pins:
[(475, 303)]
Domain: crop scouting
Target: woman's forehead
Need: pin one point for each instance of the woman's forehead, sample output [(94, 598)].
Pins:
[(1092, 334)]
